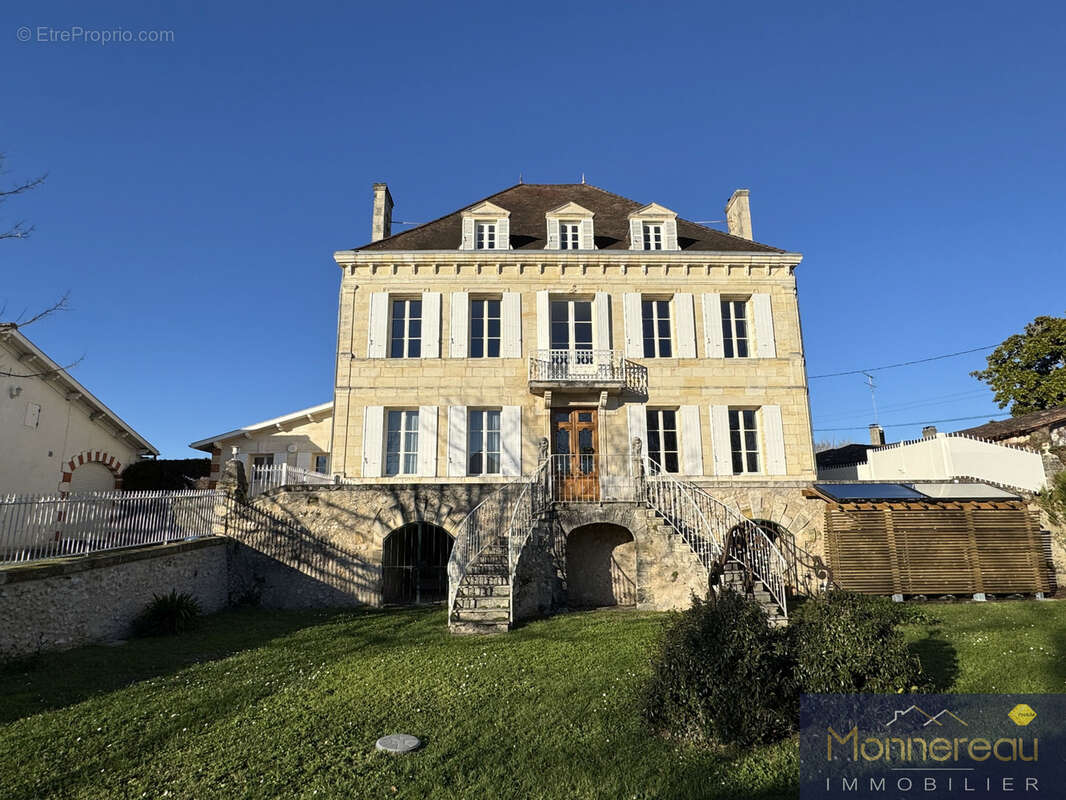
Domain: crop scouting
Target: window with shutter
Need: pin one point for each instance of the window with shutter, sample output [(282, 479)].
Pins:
[(485, 328)]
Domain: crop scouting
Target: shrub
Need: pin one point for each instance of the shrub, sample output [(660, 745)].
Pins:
[(721, 674), (845, 642), (165, 473), (168, 614)]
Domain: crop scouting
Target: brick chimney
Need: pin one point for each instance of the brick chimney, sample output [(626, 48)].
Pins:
[(738, 214), (929, 432), (381, 222), (877, 435)]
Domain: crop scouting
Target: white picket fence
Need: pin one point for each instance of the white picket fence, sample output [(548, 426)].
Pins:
[(35, 527), (263, 478)]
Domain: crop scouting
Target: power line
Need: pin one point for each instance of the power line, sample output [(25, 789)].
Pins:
[(905, 424), (902, 363)]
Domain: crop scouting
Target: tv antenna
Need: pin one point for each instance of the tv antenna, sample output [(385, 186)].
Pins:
[(873, 394)]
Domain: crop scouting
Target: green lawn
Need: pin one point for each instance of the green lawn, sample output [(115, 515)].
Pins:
[(269, 704)]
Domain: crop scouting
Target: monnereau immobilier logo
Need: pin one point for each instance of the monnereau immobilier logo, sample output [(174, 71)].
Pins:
[(932, 746)]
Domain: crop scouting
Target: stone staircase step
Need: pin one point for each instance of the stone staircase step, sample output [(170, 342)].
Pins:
[(477, 628), (496, 590), (486, 579), (483, 603), (482, 614)]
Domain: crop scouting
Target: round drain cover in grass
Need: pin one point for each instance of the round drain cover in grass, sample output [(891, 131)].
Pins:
[(398, 743)]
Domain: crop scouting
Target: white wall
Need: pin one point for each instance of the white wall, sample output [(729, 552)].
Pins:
[(309, 437), (946, 457), (32, 457)]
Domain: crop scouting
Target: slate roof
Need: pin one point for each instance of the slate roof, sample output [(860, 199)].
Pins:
[(528, 203), (842, 456), (1017, 426)]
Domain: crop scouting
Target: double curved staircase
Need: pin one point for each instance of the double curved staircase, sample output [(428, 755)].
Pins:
[(736, 552)]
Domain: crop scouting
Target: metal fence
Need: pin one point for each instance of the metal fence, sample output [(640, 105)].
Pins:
[(272, 476), (34, 527)]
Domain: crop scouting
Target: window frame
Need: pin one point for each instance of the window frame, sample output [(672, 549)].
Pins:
[(406, 340), (659, 457), (650, 231), (485, 341), (731, 343), (314, 463), (406, 432), (484, 232), (657, 339), (483, 452), (569, 234), (572, 322), (741, 433)]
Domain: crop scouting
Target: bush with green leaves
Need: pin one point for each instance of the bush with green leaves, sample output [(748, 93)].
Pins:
[(722, 674), (846, 642), (168, 614)]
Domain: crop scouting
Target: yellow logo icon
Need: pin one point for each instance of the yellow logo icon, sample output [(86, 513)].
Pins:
[(1021, 714)]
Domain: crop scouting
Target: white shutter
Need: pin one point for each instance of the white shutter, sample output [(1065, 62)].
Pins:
[(691, 441), (638, 427), (670, 235), (712, 326), (636, 234), (685, 333), (634, 332), (303, 460), (601, 314), (587, 241), (467, 242), (764, 326), (373, 443), (543, 321), (427, 441), (774, 439), (511, 322), (459, 335), (511, 440), (378, 325), (503, 234), (430, 324), (552, 236), (721, 449), (457, 441)]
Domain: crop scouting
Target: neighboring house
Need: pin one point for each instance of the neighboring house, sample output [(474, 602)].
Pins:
[(55, 435), (937, 456), (1043, 431), (299, 439)]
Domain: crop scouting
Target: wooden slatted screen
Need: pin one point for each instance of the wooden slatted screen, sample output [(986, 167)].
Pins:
[(935, 551)]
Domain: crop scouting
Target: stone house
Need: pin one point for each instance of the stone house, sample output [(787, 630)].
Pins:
[(644, 373), (55, 435)]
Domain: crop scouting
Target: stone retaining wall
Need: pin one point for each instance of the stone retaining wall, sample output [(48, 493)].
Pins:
[(55, 605)]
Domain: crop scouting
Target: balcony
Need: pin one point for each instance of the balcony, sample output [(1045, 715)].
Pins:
[(585, 371)]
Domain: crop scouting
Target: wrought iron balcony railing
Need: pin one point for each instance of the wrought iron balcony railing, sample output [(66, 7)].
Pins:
[(586, 369)]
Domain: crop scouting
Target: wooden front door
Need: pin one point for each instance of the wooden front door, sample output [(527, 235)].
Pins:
[(575, 461)]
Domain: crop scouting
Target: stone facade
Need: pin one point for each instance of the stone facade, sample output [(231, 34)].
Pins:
[(58, 605)]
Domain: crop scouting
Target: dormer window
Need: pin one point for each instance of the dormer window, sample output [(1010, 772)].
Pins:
[(653, 227), (569, 235), (570, 228), (486, 226), (486, 236)]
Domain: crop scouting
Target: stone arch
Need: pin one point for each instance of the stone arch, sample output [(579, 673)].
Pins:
[(788, 511), (113, 465), (414, 564), (601, 565)]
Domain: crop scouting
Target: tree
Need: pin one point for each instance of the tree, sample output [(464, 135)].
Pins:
[(20, 230), (1053, 498), (1028, 370)]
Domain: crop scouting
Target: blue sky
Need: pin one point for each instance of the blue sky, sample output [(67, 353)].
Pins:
[(197, 188)]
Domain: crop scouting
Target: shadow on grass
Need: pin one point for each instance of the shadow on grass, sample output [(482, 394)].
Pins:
[(939, 659), (48, 681)]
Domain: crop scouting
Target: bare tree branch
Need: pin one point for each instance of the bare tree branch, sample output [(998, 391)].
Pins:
[(62, 304), (46, 374), (20, 230)]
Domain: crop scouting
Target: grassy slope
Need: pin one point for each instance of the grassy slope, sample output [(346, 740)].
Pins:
[(261, 704)]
